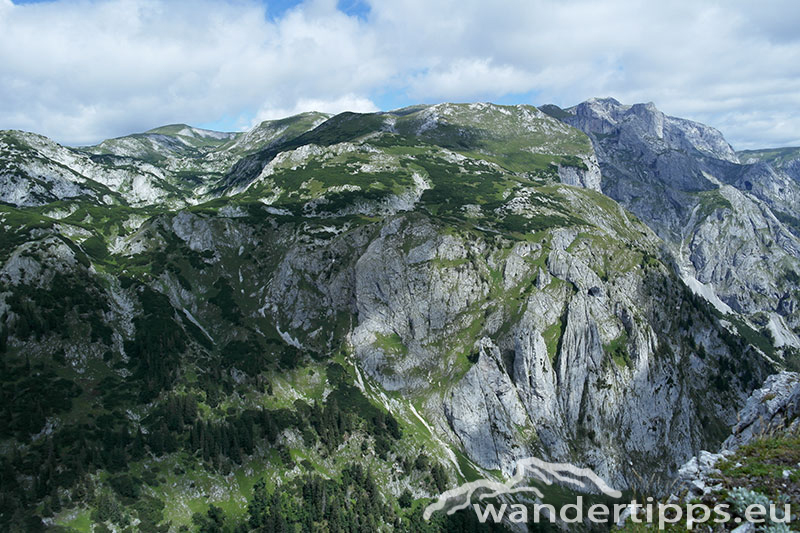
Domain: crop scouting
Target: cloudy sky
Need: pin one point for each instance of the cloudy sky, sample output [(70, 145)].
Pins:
[(83, 70)]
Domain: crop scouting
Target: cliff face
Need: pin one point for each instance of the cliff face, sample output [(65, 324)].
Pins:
[(558, 347)]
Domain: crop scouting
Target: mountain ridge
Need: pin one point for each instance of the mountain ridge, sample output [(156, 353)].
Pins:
[(431, 294)]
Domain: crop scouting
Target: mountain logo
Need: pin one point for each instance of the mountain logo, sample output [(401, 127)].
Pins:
[(565, 474)]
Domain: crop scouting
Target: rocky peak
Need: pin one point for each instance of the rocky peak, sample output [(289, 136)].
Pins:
[(646, 121)]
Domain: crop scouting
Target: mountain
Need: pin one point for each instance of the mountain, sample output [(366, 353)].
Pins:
[(520, 139), (172, 164), (730, 224), (784, 159), (785, 162), (330, 321)]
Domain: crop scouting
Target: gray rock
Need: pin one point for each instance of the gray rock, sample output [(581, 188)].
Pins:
[(745, 528), (484, 411), (772, 407)]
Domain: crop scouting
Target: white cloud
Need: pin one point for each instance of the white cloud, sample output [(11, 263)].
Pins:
[(715, 62), (466, 79), (82, 70), (348, 102)]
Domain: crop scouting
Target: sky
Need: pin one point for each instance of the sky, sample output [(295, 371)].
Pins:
[(80, 71)]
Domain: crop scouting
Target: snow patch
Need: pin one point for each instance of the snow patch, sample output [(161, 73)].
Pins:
[(288, 339)]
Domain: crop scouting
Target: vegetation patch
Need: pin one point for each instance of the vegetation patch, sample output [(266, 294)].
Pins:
[(617, 349), (552, 337)]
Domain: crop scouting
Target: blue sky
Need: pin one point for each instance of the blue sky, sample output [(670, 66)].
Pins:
[(83, 70)]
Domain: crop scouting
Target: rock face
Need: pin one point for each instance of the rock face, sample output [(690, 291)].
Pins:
[(484, 410), (570, 364), (586, 175), (697, 476), (643, 127), (772, 407), (731, 225)]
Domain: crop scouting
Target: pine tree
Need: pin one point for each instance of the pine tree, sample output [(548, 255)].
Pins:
[(3, 336), (137, 447), (406, 499), (257, 508)]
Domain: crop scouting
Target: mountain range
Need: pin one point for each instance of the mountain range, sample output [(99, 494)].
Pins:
[(211, 330)]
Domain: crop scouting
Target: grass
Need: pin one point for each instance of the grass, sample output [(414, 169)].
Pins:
[(618, 350), (760, 464), (497, 141), (757, 466), (507, 135), (467, 468), (230, 492), (79, 521), (552, 337), (711, 201), (391, 343)]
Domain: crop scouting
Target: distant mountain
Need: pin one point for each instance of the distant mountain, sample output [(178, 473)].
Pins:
[(785, 159), (171, 165), (329, 321), (521, 139)]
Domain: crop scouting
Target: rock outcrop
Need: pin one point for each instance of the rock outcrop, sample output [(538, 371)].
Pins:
[(768, 411)]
